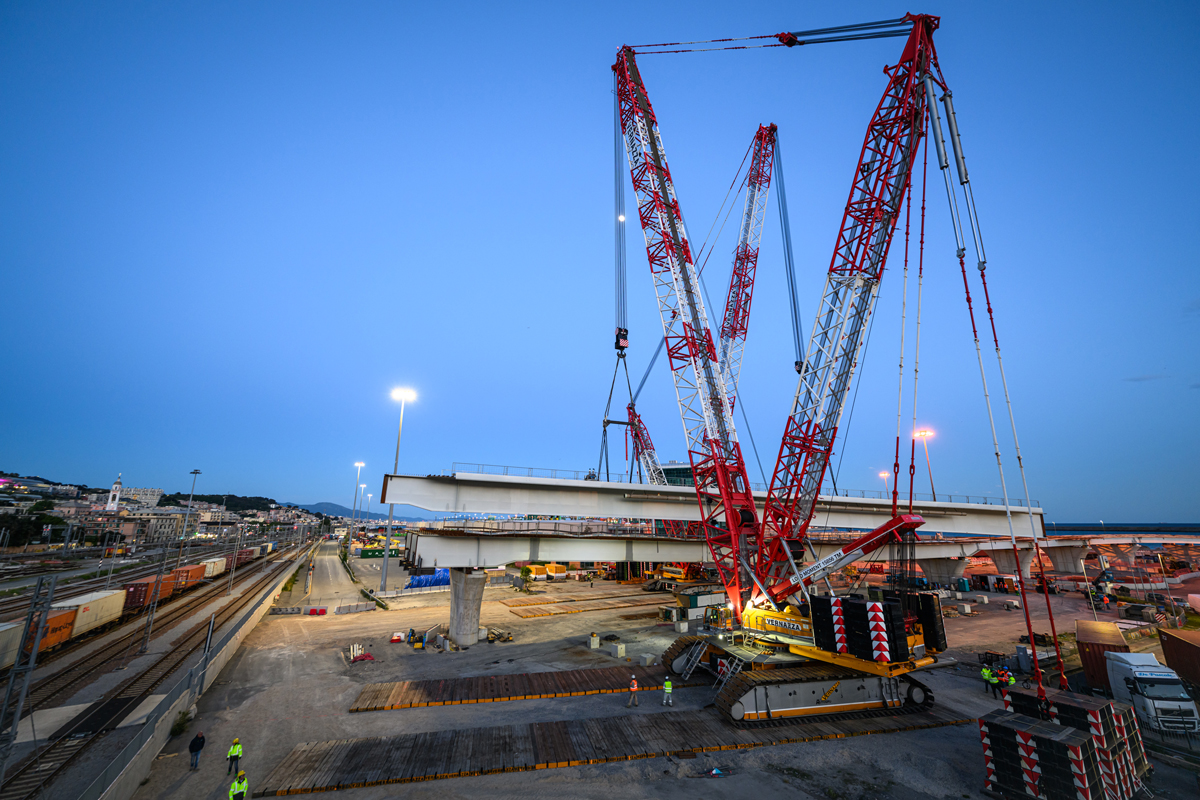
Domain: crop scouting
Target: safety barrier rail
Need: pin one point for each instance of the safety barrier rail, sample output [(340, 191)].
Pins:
[(827, 492)]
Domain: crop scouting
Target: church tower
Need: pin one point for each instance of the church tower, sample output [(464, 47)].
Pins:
[(114, 495)]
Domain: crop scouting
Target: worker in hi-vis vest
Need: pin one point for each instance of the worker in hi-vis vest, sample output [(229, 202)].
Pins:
[(240, 787), (235, 755), (667, 693), (633, 701)]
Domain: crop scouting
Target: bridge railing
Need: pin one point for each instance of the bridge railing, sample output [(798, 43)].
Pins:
[(865, 494)]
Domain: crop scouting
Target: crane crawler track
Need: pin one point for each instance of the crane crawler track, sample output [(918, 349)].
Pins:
[(739, 684)]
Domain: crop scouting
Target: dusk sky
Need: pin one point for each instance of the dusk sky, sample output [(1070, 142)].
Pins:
[(228, 230)]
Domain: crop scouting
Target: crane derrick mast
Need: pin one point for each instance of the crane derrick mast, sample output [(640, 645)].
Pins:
[(643, 448), (881, 180), (718, 469), (736, 321)]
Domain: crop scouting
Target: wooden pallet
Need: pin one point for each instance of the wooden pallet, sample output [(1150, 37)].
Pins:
[(499, 688), (407, 758), (528, 612), (550, 599)]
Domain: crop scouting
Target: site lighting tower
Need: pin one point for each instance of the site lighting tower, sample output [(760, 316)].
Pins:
[(924, 437), (885, 476), (402, 396), (353, 510)]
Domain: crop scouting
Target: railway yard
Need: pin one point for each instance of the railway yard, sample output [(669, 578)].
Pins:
[(90, 693), (545, 713)]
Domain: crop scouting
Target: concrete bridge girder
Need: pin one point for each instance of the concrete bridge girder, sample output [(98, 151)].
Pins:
[(1125, 553)]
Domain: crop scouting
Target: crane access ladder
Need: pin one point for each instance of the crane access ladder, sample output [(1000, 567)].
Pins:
[(732, 667)]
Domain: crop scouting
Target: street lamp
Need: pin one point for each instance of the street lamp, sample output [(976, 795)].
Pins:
[(924, 437), (354, 510), (186, 517), (885, 476), (403, 396)]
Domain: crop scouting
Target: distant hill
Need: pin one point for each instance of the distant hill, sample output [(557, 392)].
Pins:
[(233, 502), (406, 513)]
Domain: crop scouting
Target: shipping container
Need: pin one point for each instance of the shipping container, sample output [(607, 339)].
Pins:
[(213, 566), (244, 555), (58, 629), (94, 610), (10, 640), (140, 593), (187, 577), (1094, 640), (1181, 651), (556, 569)]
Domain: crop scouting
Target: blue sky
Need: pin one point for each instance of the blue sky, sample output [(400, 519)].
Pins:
[(228, 230)]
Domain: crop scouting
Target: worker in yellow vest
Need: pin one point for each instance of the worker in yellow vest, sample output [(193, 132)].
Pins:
[(240, 786), (235, 755), (633, 699), (667, 693)]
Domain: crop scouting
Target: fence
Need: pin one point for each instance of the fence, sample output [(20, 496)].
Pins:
[(1183, 741), (140, 752)]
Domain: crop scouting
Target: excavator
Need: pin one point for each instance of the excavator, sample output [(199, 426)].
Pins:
[(789, 647)]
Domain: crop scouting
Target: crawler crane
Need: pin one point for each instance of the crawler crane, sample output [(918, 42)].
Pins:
[(793, 652)]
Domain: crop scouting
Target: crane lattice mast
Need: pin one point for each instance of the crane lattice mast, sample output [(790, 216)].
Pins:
[(736, 321), (718, 469), (881, 180)]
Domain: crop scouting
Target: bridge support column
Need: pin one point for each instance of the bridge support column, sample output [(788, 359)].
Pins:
[(944, 571), (1007, 565), (466, 599), (1067, 559)]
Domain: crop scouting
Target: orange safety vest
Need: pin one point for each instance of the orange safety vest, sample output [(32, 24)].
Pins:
[(633, 685)]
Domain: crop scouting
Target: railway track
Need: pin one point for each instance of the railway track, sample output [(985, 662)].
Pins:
[(58, 686), (33, 773), (20, 603)]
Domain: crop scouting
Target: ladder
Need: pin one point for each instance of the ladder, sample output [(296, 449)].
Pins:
[(735, 665), (693, 659)]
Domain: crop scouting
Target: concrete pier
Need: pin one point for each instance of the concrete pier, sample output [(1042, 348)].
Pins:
[(1067, 559), (1007, 565), (466, 599), (944, 571)]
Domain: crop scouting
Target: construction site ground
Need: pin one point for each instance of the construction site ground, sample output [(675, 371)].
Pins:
[(292, 683)]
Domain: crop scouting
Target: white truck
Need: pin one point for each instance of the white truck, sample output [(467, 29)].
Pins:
[(1155, 692)]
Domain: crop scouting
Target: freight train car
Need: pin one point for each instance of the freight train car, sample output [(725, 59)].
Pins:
[(93, 610), (187, 577), (141, 593), (214, 566)]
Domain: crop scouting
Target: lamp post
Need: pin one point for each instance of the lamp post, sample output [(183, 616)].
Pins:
[(362, 495), (404, 396), (186, 518), (924, 435), (885, 476), (354, 510)]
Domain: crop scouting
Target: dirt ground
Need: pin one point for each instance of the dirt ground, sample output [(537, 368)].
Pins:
[(291, 682)]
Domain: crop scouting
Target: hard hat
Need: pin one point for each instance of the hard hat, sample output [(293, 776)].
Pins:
[(241, 773), (235, 740)]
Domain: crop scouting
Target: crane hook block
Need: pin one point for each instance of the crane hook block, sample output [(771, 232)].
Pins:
[(622, 339)]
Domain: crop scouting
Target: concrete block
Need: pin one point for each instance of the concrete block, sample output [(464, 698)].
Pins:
[(964, 608), (681, 627), (618, 650), (981, 599), (1013, 603), (594, 642), (647, 659), (958, 595), (483, 633)]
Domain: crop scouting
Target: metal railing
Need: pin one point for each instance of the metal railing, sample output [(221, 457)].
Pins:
[(865, 494), (1184, 741)]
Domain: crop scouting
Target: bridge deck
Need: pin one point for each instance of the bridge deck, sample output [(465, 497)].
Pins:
[(527, 612), (351, 763)]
